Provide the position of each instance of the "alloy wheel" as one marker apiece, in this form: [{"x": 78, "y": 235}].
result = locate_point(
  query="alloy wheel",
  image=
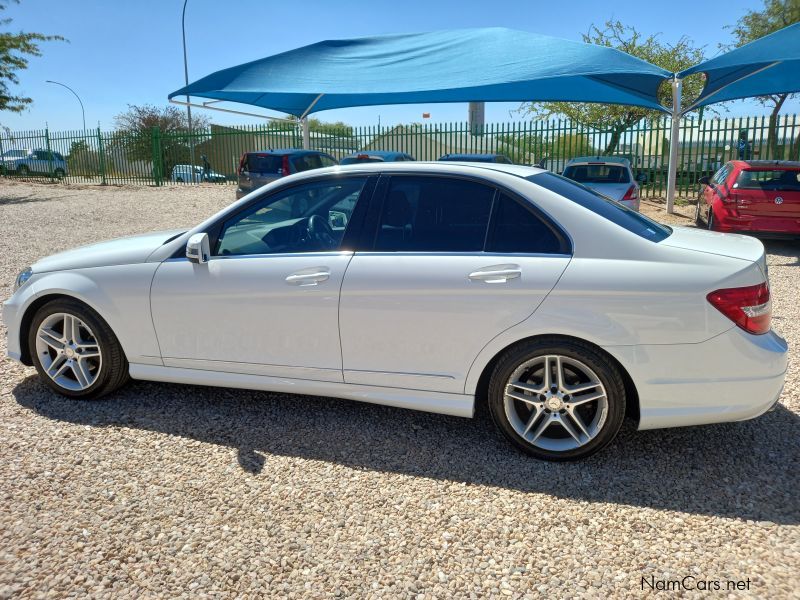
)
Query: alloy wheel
[
  {"x": 68, "y": 351},
  {"x": 555, "y": 403}
]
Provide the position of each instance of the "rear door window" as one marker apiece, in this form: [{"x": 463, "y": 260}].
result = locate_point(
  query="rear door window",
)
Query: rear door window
[
  {"x": 769, "y": 180},
  {"x": 517, "y": 230},
  {"x": 434, "y": 214},
  {"x": 264, "y": 163}
]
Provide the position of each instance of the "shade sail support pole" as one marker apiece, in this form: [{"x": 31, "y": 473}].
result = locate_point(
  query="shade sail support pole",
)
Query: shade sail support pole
[
  {"x": 306, "y": 133},
  {"x": 304, "y": 123},
  {"x": 672, "y": 168}
]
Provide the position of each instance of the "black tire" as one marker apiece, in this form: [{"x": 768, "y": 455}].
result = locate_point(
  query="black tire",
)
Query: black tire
[
  {"x": 710, "y": 218},
  {"x": 602, "y": 366},
  {"x": 60, "y": 174},
  {"x": 698, "y": 219},
  {"x": 23, "y": 171},
  {"x": 113, "y": 372}
]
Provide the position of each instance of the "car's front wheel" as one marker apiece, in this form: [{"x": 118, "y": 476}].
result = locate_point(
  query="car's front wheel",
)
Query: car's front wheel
[
  {"x": 557, "y": 399},
  {"x": 74, "y": 350}
]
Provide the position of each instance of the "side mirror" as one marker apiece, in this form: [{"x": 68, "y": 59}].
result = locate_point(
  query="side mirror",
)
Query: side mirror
[
  {"x": 641, "y": 177},
  {"x": 198, "y": 249},
  {"x": 704, "y": 180}
]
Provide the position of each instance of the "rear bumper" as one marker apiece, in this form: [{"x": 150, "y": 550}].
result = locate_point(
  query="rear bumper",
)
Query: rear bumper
[
  {"x": 729, "y": 220},
  {"x": 732, "y": 377}
]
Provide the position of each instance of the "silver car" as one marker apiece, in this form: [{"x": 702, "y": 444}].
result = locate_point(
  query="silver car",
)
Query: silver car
[
  {"x": 264, "y": 166},
  {"x": 608, "y": 175},
  {"x": 34, "y": 162}
]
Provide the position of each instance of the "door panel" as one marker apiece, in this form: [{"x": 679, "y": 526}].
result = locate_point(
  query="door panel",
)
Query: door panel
[
  {"x": 270, "y": 314},
  {"x": 419, "y": 320}
]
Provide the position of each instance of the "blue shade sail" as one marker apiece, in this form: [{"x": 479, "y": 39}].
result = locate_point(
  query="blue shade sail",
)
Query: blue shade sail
[
  {"x": 488, "y": 64},
  {"x": 769, "y": 65}
]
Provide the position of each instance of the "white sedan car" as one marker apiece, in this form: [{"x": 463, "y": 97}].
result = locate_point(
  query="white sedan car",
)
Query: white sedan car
[{"x": 432, "y": 286}]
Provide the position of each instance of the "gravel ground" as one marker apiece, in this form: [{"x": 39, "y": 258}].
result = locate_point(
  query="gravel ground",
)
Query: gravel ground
[{"x": 179, "y": 491}]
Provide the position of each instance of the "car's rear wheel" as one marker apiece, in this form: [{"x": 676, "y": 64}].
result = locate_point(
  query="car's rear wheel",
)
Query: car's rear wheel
[
  {"x": 23, "y": 171},
  {"x": 710, "y": 218},
  {"x": 60, "y": 174},
  {"x": 74, "y": 350},
  {"x": 557, "y": 399}
]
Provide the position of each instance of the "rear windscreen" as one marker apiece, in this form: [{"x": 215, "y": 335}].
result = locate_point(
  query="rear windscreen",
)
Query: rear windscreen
[
  {"x": 615, "y": 212},
  {"x": 769, "y": 180},
  {"x": 597, "y": 173},
  {"x": 264, "y": 163},
  {"x": 349, "y": 160}
]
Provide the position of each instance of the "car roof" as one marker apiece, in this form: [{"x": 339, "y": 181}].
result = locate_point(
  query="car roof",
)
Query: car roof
[
  {"x": 432, "y": 167},
  {"x": 773, "y": 164},
  {"x": 621, "y": 160},
  {"x": 283, "y": 151}
]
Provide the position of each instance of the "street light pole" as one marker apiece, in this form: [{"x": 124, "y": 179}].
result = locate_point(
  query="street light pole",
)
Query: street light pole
[
  {"x": 186, "y": 80},
  {"x": 83, "y": 114}
]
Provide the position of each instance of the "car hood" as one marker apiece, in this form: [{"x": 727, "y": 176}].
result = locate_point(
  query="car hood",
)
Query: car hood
[
  {"x": 122, "y": 251},
  {"x": 615, "y": 191},
  {"x": 724, "y": 244}
]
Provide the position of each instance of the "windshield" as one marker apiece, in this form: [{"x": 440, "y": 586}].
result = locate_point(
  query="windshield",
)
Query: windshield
[
  {"x": 598, "y": 173},
  {"x": 769, "y": 180},
  {"x": 608, "y": 209}
]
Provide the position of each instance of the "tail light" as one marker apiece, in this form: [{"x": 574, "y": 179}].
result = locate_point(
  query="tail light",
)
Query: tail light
[
  {"x": 241, "y": 164},
  {"x": 285, "y": 164},
  {"x": 632, "y": 193},
  {"x": 749, "y": 307}
]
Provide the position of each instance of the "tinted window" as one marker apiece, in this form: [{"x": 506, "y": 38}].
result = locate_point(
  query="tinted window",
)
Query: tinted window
[
  {"x": 264, "y": 163},
  {"x": 772, "y": 180},
  {"x": 597, "y": 173},
  {"x": 360, "y": 159},
  {"x": 516, "y": 229},
  {"x": 434, "y": 214},
  {"x": 608, "y": 209},
  {"x": 305, "y": 218},
  {"x": 306, "y": 162}
]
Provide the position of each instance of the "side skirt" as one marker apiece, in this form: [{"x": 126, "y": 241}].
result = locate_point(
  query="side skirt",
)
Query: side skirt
[{"x": 457, "y": 405}]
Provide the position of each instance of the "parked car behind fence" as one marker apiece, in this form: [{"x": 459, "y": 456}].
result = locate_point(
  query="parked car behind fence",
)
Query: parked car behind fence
[
  {"x": 34, "y": 162},
  {"x": 264, "y": 166}
]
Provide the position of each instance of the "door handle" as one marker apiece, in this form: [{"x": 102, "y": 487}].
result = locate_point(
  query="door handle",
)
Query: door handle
[
  {"x": 496, "y": 273},
  {"x": 306, "y": 277}
]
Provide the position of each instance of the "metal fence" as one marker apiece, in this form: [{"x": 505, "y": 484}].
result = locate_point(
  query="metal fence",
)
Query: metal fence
[{"x": 156, "y": 157}]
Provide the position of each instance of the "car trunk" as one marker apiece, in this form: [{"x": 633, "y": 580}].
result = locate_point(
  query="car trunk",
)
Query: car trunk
[
  {"x": 724, "y": 244},
  {"x": 768, "y": 193}
]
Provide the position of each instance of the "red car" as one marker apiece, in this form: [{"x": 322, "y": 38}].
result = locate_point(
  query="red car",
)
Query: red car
[{"x": 756, "y": 196}]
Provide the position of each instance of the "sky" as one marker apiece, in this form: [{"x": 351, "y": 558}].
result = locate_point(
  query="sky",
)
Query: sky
[{"x": 122, "y": 52}]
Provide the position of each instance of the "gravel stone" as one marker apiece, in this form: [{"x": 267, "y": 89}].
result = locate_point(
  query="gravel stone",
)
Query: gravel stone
[{"x": 180, "y": 491}]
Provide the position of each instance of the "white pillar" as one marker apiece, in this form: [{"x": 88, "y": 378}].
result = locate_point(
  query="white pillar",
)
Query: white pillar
[
  {"x": 306, "y": 133},
  {"x": 674, "y": 143}
]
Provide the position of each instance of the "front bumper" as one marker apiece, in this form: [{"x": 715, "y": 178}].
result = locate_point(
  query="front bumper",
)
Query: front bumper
[{"x": 732, "y": 377}]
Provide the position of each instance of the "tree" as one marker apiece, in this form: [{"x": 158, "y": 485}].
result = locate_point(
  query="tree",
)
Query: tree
[
  {"x": 755, "y": 24},
  {"x": 616, "y": 118},
  {"x": 134, "y": 132},
  {"x": 83, "y": 160},
  {"x": 15, "y": 48}
]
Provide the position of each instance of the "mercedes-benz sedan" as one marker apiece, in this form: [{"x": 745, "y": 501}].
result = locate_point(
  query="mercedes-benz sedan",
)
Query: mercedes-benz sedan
[{"x": 433, "y": 286}]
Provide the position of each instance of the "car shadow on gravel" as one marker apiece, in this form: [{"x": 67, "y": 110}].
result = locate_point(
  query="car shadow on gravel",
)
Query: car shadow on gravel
[{"x": 746, "y": 470}]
